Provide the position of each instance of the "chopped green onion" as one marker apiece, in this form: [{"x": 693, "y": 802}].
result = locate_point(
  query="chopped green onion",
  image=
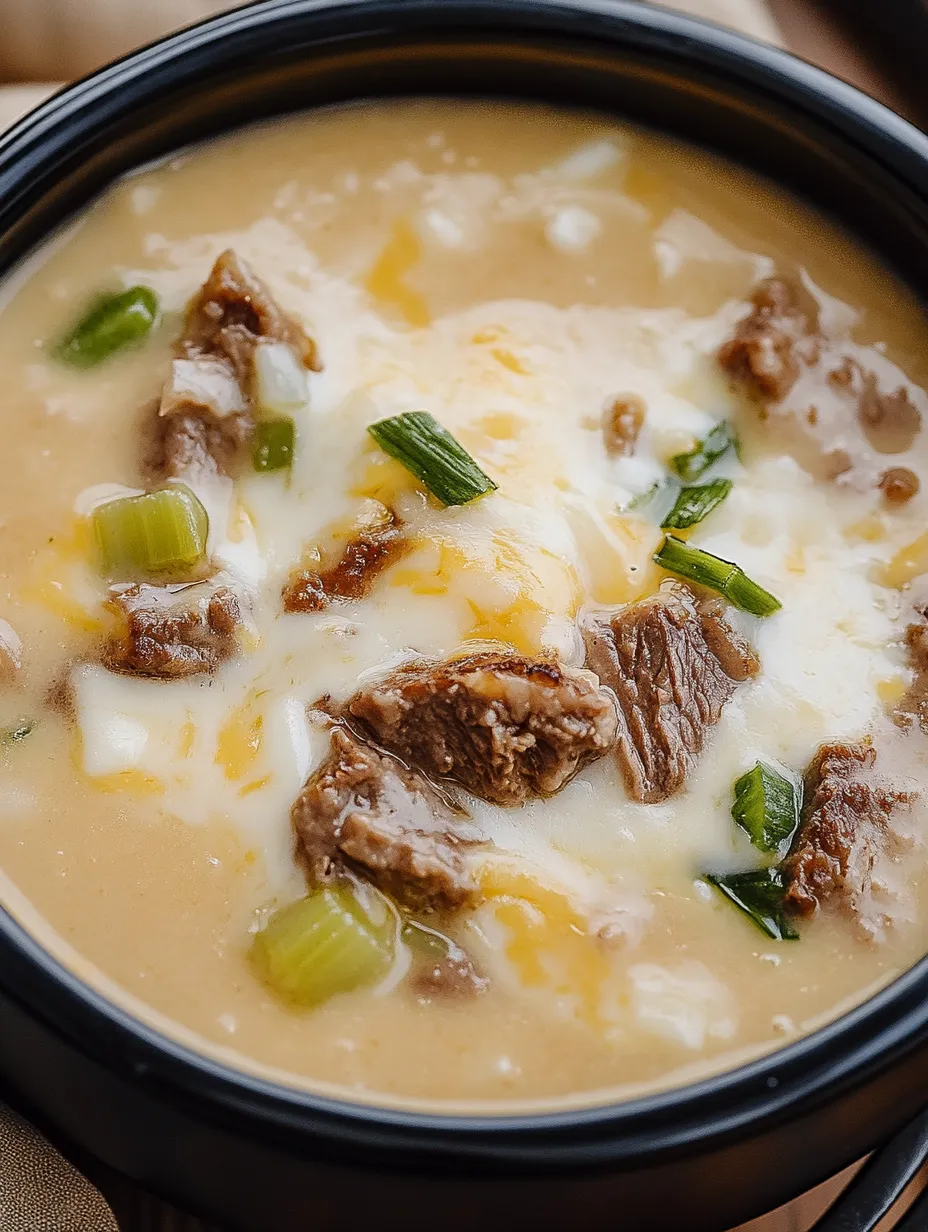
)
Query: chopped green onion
[
  {"x": 720, "y": 575},
  {"x": 697, "y": 461},
  {"x": 643, "y": 498},
  {"x": 110, "y": 323},
  {"x": 766, "y": 807},
  {"x": 324, "y": 944},
  {"x": 17, "y": 733},
  {"x": 280, "y": 379},
  {"x": 419, "y": 442},
  {"x": 760, "y": 896},
  {"x": 655, "y": 498},
  {"x": 272, "y": 445},
  {"x": 694, "y": 504},
  {"x": 160, "y": 532}
]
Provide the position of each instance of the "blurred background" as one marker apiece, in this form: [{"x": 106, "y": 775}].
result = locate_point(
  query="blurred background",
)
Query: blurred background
[{"x": 879, "y": 45}]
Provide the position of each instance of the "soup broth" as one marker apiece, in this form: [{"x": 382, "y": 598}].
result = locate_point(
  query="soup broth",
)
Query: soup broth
[{"x": 548, "y": 909}]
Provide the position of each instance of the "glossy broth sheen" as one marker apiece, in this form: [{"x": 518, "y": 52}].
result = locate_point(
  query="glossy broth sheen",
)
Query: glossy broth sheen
[{"x": 508, "y": 269}]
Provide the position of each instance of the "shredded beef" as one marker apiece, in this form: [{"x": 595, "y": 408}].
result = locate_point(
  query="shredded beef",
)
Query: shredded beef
[
  {"x": 365, "y": 808},
  {"x": 233, "y": 312},
  {"x": 844, "y": 827},
  {"x": 914, "y": 705},
  {"x": 889, "y": 420},
  {"x": 827, "y": 408},
  {"x": 504, "y": 726},
  {"x": 174, "y": 631},
  {"x": 623, "y": 419},
  {"x": 673, "y": 662},
  {"x": 770, "y": 344},
  {"x": 364, "y": 558},
  {"x": 10, "y": 653}
]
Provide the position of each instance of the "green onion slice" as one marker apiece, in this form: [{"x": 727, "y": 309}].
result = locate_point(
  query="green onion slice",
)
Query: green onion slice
[
  {"x": 766, "y": 807},
  {"x": 160, "y": 532},
  {"x": 697, "y": 461},
  {"x": 760, "y": 895},
  {"x": 694, "y": 504},
  {"x": 324, "y": 944},
  {"x": 17, "y": 733},
  {"x": 419, "y": 442},
  {"x": 723, "y": 576},
  {"x": 273, "y": 444},
  {"x": 111, "y": 323}
]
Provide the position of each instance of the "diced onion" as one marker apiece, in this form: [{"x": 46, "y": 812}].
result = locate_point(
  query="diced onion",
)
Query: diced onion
[
  {"x": 281, "y": 384},
  {"x": 205, "y": 382}
]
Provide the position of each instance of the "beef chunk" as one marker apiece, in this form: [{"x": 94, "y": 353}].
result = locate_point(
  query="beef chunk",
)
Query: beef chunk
[
  {"x": 771, "y": 342},
  {"x": 890, "y": 420},
  {"x": 821, "y": 404},
  {"x": 233, "y": 312},
  {"x": 914, "y": 705},
  {"x": 505, "y": 727},
  {"x": 844, "y": 827},
  {"x": 191, "y": 443},
  {"x": 623, "y": 419},
  {"x": 899, "y": 485},
  {"x": 10, "y": 653},
  {"x": 673, "y": 662},
  {"x": 365, "y": 808},
  {"x": 173, "y": 632},
  {"x": 364, "y": 558}
]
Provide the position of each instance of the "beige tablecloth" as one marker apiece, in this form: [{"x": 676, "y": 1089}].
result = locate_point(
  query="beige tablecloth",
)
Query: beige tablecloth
[{"x": 57, "y": 39}]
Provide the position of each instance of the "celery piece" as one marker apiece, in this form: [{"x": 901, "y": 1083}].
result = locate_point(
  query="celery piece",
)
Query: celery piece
[
  {"x": 161, "y": 532},
  {"x": 323, "y": 944},
  {"x": 111, "y": 323}
]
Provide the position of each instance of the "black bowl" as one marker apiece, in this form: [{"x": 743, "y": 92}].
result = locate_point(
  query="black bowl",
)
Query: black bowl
[{"x": 255, "y": 1156}]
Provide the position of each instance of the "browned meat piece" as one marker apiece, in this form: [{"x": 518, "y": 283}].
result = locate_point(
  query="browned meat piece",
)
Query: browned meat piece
[
  {"x": 10, "y": 653},
  {"x": 193, "y": 443},
  {"x": 366, "y": 808},
  {"x": 505, "y": 727},
  {"x": 821, "y": 404},
  {"x": 623, "y": 419},
  {"x": 771, "y": 342},
  {"x": 673, "y": 662},
  {"x": 845, "y": 820},
  {"x": 914, "y": 705},
  {"x": 173, "y": 632},
  {"x": 899, "y": 485},
  {"x": 233, "y": 312},
  {"x": 890, "y": 421},
  {"x": 360, "y": 564}
]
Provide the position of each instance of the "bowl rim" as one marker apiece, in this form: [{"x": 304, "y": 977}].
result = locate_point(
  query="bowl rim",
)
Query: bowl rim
[{"x": 837, "y": 1057}]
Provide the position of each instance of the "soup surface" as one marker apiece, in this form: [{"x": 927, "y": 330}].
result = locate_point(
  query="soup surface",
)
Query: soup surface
[{"x": 484, "y": 740}]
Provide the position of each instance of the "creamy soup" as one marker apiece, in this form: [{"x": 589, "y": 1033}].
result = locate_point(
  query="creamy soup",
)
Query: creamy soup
[{"x": 462, "y": 630}]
